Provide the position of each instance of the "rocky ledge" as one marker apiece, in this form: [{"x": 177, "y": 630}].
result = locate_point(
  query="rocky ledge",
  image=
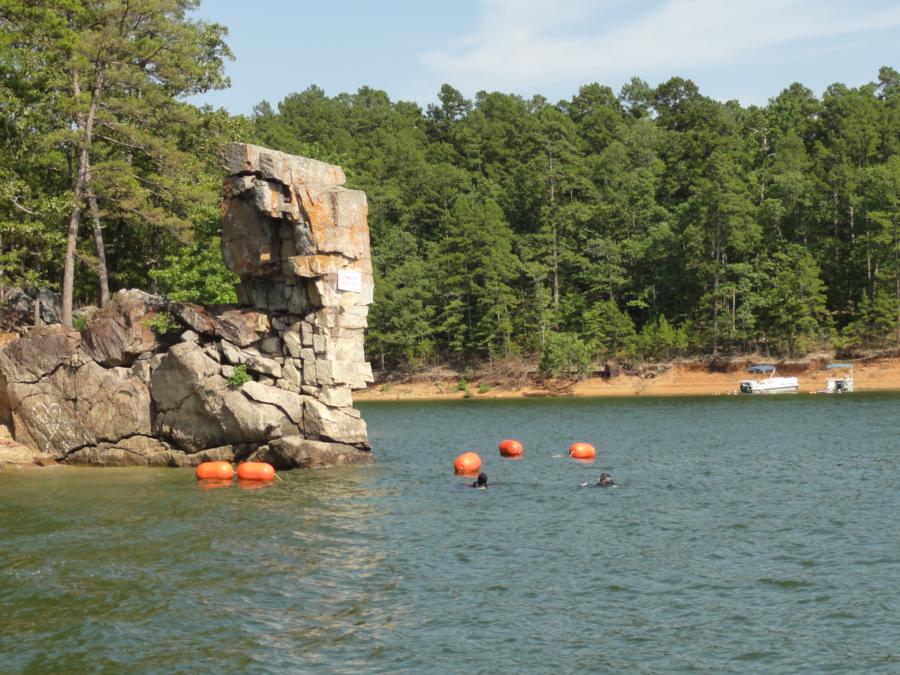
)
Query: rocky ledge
[{"x": 156, "y": 383}]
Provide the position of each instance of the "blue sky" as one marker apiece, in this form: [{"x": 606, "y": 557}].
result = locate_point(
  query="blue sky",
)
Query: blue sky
[{"x": 731, "y": 48}]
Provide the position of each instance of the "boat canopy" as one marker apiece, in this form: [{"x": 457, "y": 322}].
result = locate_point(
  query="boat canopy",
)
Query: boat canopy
[
  {"x": 761, "y": 368},
  {"x": 833, "y": 366}
]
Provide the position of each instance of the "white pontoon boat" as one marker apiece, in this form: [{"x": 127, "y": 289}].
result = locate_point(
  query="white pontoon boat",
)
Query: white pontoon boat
[
  {"x": 771, "y": 384},
  {"x": 838, "y": 380}
]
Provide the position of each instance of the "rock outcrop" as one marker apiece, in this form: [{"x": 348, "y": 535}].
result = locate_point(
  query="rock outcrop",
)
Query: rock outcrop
[
  {"x": 17, "y": 307},
  {"x": 153, "y": 382},
  {"x": 14, "y": 455}
]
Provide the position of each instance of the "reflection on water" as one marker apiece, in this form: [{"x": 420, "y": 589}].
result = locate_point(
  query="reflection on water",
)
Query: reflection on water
[
  {"x": 213, "y": 484},
  {"x": 742, "y": 535},
  {"x": 253, "y": 484}
]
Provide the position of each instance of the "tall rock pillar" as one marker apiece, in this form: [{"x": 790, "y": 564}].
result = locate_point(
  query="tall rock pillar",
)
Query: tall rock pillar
[{"x": 299, "y": 242}]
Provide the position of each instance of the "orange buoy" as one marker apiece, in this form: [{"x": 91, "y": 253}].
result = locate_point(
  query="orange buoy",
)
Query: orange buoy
[
  {"x": 255, "y": 471},
  {"x": 467, "y": 464},
  {"x": 510, "y": 448},
  {"x": 582, "y": 451},
  {"x": 215, "y": 471}
]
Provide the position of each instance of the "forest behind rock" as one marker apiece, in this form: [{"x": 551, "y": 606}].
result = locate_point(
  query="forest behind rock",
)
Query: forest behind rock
[{"x": 647, "y": 223}]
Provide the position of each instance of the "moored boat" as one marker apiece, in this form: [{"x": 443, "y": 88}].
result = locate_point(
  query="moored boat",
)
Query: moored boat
[
  {"x": 770, "y": 384},
  {"x": 838, "y": 380}
]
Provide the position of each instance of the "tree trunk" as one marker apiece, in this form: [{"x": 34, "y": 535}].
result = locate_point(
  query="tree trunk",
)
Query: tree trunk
[
  {"x": 609, "y": 275},
  {"x": 897, "y": 278},
  {"x": 71, "y": 243},
  {"x": 834, "y": 217},
  {"x": 78, "y": 195},
  {"x": 717, "y": 259},
  {"x": 554, "y": 229},
  {"x": 102, "y": 274},
  {"x": 543, "y": 322},
  {"x": 555, "y": 268},
  {"x": 715, "y": 326},
  {"x": 733, "y": 313}
]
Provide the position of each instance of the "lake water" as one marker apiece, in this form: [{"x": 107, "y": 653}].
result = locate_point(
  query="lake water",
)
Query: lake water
[{"x": 745, "y": 535}]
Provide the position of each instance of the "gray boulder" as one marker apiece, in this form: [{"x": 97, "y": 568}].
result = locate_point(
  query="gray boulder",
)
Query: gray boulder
[
  {"x": 242, "y": 327},
  {"x": 13, "y": 454},
  {"x": 58, "y": 400},
  {"x": 333, "y": 424},
  {"x": 242, "y": 159},
  {"x": 19, "y": 306},
  {"x": 295, "y": 452},
  {"x": 198, "y": 410},
  {"x": 121, "y": 331}
]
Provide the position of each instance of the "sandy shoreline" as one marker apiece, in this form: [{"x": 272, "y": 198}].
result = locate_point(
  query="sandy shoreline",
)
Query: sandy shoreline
[{"x": 679, "y": 380}]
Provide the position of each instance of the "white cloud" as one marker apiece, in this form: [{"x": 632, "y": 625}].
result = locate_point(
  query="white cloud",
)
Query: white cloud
[{"x": 528, "y": 44}]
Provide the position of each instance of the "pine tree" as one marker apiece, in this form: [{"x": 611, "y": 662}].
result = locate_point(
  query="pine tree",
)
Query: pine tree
[{"x": 123, "y": 63}]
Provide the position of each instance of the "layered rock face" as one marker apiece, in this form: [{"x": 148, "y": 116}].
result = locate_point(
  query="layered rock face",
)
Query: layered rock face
[{"x": 151, "y": 382}]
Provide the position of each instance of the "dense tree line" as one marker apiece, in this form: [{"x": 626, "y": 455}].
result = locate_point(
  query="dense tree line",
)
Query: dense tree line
[{"x": 648, "y": 223}]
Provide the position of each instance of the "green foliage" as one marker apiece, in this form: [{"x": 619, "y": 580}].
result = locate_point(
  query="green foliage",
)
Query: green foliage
[
  {"x": 197, "y": 274},
  {"x": 608, "y": 329},
  {"x": 484, "y": 388},
  {"x": 402, "y": 317},
  {"x": 162, "y": 323},
  {"x": 92, "y": 89},
  {"x": 464, "y": 387},
  {"x": 477, "y": 264},
  {"x": 652, "y": 223},
  {"x": 565, "y": 354},
  {"x": 659, "y": 340},
  {"x": 793, "y": 306},
  {"x": 875, "y": 323},
  {"x": 79, "y": 322},
  {"x": 238, "y": 377}
]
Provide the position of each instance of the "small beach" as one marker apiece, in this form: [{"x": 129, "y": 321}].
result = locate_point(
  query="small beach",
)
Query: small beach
[{"x": 681, "y": 379}]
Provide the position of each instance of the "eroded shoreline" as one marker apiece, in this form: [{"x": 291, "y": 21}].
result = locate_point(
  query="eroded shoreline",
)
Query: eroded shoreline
[{"x": 681, "y": 379}]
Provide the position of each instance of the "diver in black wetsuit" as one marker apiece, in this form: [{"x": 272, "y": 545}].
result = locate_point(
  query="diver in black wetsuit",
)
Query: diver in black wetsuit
[
  {"x": 605, "y": 480},
  {"x": 481, "y": 482}
]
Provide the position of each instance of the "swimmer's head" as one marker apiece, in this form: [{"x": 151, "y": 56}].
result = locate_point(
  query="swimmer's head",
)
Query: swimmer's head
[{"x": 482, "y": 480}]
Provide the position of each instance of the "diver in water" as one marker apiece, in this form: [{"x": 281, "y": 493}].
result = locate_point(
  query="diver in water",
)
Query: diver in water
[
  {"x": 605, "y": 480},
  {"x": 481, "y": 482}
]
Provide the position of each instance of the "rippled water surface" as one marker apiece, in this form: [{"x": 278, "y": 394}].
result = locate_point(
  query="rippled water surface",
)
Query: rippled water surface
[{"x": 745, "y": 535}]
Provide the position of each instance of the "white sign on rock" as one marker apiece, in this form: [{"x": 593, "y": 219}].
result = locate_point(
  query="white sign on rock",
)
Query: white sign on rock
[{"x": 349, "y": 280}]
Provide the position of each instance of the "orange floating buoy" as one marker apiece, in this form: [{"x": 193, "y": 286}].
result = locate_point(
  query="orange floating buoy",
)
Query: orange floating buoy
[
  {"x": 467, "y": 464},
  {"x": 215, "y": 471},
  {"x": 255, "y": 471},
  {"x": 510, "y": 448},
  {"x": 582, "y": 451}
]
